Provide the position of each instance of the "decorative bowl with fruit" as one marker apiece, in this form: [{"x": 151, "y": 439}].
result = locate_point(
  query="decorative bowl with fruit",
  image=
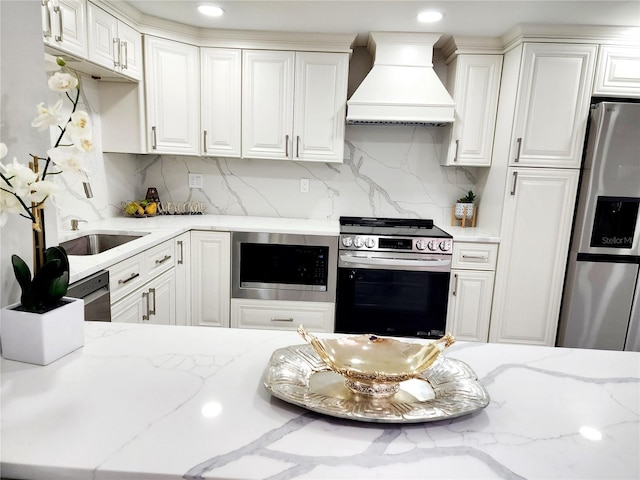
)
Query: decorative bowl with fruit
[{"x": 140, "y": 208}]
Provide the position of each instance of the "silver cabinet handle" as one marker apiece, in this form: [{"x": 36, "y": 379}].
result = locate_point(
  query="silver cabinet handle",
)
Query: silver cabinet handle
[
  {"x": 162, "y": 260},
  {"x": 205, "y": 141},
  {"x": 455, "y": 157},
  {"x": 297, "y": 146},
  {"x": 181, "y": 260},
  {"x": 117, "y": 55},
  {"x": 478, "y": 257},
  {"x": 145, "y": 316},
  {"x": 124, "y": 59},
  {"x": 154, "y": 138},
  {"x": 46, "y": 27},
  {"x": 515, "y": 181},
  {"x": 58, "y": 10},
  {"x": 127, "y": 280},
  {"x": 455, "y": 284},
  {"x": 519, "y": 146},
  {"x": 286, "y": 145},
  {"x": 287, "y": 319},
  {"x": 152, "y": 291}
]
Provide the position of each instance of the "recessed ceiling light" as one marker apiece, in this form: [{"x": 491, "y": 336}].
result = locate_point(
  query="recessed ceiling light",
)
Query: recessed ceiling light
[
  {"x": 430, "y": 17},
  {"x": 210, "y": 10}
]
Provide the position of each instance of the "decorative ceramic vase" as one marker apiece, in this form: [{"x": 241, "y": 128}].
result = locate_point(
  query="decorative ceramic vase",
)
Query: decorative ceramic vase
[
  {"x": 41, "y": 338},
  {"x": 460, "y": 210}
]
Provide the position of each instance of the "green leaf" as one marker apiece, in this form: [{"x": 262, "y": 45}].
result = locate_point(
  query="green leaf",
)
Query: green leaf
[{"x": 23, "y": 276}]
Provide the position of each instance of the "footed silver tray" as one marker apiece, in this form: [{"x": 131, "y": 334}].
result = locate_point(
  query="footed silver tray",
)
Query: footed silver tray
[{"x": 448, "y": 389}]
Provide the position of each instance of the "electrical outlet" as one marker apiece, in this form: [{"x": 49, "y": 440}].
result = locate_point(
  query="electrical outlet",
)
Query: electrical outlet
[
  {"x": 196, "y": 180},
  {"x": 304, "y": 185}
]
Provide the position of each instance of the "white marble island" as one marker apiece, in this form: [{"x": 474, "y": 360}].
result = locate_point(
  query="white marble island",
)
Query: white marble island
[{"x": 160, "y": 402}]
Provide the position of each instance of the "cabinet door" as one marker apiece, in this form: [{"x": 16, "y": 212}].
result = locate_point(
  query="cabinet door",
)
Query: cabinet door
[
  {"x": 210, "y": 278},
  {"x": 469, "y": 308},
  {"x": 475, "y": 86},
  {"x": 65, "y": 25},
  {"x": 536, "y": 227},
  {"x": 267, "y": 104},
  {"x": 183, "y": 278},
  {"x": 130, "y": 51},
  {"x": 131, "y": 309},
  {"x": 618, "y": 72},
  {"x": 553, "y": 105},
  {"x": 221, "y": 101},
  {"x": 104, "y": 47},
  {"x": 173, "y": 96},
  {"x": 319, "y": 106},
  {"x": 162, "y": 299}
]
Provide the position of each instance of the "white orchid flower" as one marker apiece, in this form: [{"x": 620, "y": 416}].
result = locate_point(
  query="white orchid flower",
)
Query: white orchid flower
[
  {"x": 62, "y": 82},
  {"x": 20, "y": 176},
  {"x": 8, "y": 204},
  {"x": 48, "y": 116},
  {"x": 3, "y": 150},
  {"x": 42, "y": 189},
  {"x": 68, "y": 159}
]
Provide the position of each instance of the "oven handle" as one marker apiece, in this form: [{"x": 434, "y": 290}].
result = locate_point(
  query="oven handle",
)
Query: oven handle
[{"x": 425, "y": 264}]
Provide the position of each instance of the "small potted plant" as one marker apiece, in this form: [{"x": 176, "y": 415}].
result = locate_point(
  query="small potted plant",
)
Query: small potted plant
[{"x": 465, "y": 208}]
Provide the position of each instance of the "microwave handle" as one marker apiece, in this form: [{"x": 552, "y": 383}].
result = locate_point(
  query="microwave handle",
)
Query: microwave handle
[{"x": 394, "y": 262}]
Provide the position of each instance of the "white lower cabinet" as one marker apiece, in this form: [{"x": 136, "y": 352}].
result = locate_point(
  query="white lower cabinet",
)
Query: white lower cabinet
[
  {"x": 536, "y": 226},
  {"x": 282, "y": 315},
  {"x": 471, "y": 291},
  {"x": 153, "y": 303},
  {"x": 143, "y": 287},
  {"x": 210, "y": 278}
]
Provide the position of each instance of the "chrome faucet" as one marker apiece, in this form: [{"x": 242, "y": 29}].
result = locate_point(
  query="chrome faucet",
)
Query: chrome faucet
[{"x": 74, "y": 223}]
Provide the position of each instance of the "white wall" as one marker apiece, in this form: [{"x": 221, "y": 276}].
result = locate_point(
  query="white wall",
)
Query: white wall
[{"x": 22, "y": 87}]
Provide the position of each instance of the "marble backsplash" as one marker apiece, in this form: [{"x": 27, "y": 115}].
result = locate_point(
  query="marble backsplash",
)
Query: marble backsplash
[{"x": 389, "y": 171}]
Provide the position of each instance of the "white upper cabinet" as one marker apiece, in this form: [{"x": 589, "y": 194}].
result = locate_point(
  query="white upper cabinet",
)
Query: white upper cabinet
[
  {"x": 553, "y": 104},
  {"x": 618, "y": 72},
  {"x": 172, "y": 83},
  {"x": 64, "y": 25},
  {"x": 221, "y": 99},
  {"x": 114, "y": 44},
  {"x": 474, "y": 82},
  {"x": 293, "y": 105}
]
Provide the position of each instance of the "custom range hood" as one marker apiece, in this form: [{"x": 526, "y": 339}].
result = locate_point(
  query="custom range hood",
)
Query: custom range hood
[{"x": 402, "y": 88}]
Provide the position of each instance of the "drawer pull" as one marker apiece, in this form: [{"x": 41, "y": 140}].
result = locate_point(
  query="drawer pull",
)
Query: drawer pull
[
  {"x": 476, "y": 257},
  {"x": 126, "y": 280},
  {"x": 276, "y": 319},
  {"x": 162, "y": 260},
  {"x": 519, "y": 146},
  {"x": 145, "y": 316},
  {"x": 455, "y": 284},
  {"x": 152, "y": 291}
]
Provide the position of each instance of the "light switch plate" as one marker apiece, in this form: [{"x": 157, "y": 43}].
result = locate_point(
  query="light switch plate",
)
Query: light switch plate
[
  {"x": 304, "y": 185},
  {"x": 196, "y": 180}
]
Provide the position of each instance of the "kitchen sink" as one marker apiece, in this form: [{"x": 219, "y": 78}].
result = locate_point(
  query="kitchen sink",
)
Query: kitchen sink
[{"x": 94, "y": 243}]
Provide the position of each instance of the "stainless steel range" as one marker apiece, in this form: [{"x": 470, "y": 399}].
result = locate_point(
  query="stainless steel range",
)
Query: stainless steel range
[{"x": 393, "y": 277}]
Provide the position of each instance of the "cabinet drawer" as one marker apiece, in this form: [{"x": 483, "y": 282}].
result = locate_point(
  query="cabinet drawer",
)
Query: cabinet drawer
[
  {"x": 282, "y": 315},
  {"x": 126, "y": 276},
  {"x": 160, "y": 259},
  {"x": 475, "y": 256}
]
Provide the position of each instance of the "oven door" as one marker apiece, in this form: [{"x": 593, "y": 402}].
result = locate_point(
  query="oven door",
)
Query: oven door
[{"x": 392, "y": 294}]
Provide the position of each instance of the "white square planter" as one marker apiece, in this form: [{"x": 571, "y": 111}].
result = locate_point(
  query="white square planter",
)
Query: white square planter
[{"x": 41, "y": 338}]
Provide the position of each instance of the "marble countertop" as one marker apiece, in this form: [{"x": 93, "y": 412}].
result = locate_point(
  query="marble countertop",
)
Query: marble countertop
[
  {"x": 161, "y": 228},
  {"x": 164, "y": 402}
]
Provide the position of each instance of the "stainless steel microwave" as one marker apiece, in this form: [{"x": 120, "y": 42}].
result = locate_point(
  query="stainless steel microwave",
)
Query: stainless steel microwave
[{"x": 274, "y": 266}]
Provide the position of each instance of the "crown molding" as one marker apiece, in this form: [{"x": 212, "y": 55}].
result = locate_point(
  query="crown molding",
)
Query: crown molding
[{"x": 471, "y": 45}]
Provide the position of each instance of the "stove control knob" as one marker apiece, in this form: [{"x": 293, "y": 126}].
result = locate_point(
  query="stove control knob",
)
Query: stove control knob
[
  {"x": 433, "y": 245},
  {"x": 421, "y": 244},
  {"x": 347, "y": 241},
  {"x": 445, "y": 246},
  {"x": 358, "y": 242},
  {"x": 370, "y": 242}
]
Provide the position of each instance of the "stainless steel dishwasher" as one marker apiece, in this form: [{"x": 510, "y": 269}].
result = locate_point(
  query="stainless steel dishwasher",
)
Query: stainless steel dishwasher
[{"x": 94, "y": 290}]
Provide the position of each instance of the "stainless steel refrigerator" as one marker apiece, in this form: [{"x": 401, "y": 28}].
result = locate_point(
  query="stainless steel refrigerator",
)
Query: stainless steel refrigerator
[{"x": 600, "y": 299}]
